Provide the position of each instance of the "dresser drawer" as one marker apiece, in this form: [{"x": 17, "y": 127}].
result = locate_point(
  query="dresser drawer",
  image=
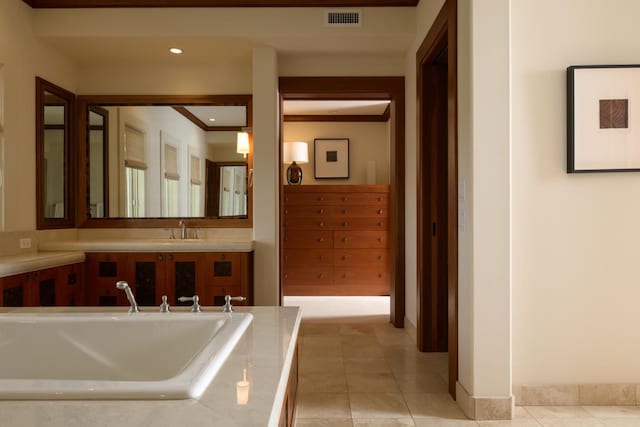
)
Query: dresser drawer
[
  {"x": 360, "y": 211},
  {"x": 308, "y": 239},
  {"x": 358, "y": 199},
  {"x": 307, "y": 276},
  {"x": 358, "y": 224},
  {"x": 306, "y": 211},
  {"x": 357, "y": 258},
  {"x": 306, "y": 223},
  {"x": 360, "y": 239},
  {"x": 307, "y": 257},
  {"x": 360, "y": 276},
  {"x": 314, "y": 199}
]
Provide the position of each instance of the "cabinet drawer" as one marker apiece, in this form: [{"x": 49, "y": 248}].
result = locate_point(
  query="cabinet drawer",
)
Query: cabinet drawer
[
  {"x": 358, "y": 258},
  {"x": 360, "y": 276},
  {"x": 358, "y": 223},
  {"x": 359, "y": 211},
  {"x": 306, "y": 223},
  {"x": 308, "y": 257},
  {"x": 358, "y": 199},
  {"x": 307, "y": 276},
  {"x": 306, "y": 211},
  {"x": 315, "y": 199},
  {"x": 360, "y": 239},
  {"x": 308, "y": 239}
]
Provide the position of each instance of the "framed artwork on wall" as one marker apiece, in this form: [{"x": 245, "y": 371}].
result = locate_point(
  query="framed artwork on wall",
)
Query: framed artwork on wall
[
  {"x": 603, "y": 118},
  {"x": 331, "y": 160}
]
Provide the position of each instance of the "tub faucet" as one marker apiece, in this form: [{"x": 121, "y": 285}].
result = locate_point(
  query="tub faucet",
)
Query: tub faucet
[
  {"x": 228, "y": 308},
  {"x": 183, "y": 230},
  {"x": 195, "y": 308},
  {"x": 124, "y": 286}
]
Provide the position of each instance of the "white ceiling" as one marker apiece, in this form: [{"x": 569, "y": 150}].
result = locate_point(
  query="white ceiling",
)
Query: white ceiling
[
  {"x": 330, "y": 108},
  {"x": 224, "y": 115}
]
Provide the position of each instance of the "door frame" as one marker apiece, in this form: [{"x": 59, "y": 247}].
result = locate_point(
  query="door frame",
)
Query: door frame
[
  {"x": 443, "y": 33},
  {"x": 349, "y": 88}
]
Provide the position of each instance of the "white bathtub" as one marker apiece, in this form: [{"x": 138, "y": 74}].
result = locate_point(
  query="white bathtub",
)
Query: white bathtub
[{"x": 114, "y": 356}]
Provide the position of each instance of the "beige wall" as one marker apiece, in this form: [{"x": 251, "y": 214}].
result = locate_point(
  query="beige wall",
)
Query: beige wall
[
  {"x": 575, "y": 237},
  {"x": 23, "y": 57},
  {"x": 367, "y": 142}
]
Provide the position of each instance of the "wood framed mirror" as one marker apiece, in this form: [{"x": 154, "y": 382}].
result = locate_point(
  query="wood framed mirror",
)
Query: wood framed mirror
[
  {"x": 142, "y": 159},
  {"x": 55, "y": 112}
]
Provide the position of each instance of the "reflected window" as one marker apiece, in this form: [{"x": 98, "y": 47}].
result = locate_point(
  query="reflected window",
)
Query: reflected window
[
  {"x": 1, "y": 148},
  {"x": 196, "y": 187},
  {"x": 171, "y": 198},
  {"x": 135, "y": 194}
]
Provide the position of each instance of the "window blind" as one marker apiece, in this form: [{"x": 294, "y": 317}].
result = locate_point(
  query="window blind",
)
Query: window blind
[
  {"x": 171, "y": 162},
  {"x": 195, "y": 170},
  {"x": 134, "y": 150}
]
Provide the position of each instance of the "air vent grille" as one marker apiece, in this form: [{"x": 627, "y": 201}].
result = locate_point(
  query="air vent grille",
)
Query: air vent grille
[{"x": 343, "y": 18}]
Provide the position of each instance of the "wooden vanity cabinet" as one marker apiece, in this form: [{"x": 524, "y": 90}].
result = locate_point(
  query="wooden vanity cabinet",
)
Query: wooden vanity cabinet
[
  {"x": 57, "y": 286},
  {"x": 175, "y": 274},
  {"x": 288, "y": 414}
]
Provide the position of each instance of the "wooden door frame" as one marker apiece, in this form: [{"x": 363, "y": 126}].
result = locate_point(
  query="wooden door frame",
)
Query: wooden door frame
[
  {"x": 349, "y": 88},
  {"x": 443, "y": 32}
]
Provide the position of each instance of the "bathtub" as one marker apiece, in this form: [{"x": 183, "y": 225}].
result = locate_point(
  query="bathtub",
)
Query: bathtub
[{"x": 114, "y": 356}]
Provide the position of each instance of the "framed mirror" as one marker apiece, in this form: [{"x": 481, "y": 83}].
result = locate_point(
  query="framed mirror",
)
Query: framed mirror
[
  {"x": 55, "y": 108},
  {"x": 143, "y": 159},
  {"x": 229, "y": 184}
]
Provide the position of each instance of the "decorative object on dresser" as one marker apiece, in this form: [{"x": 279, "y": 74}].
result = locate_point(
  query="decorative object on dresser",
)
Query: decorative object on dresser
[
  {"x": 331, "y": 158},
  {"x": 295, "y": 152},
  {"x": 336, "y": 240}
]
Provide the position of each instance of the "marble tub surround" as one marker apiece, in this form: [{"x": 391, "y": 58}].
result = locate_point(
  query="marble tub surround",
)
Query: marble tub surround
[
  {"x": 578, "y": 394},
  {"x": 33, "y": 261},
  {"x": 265, "y": 350}
]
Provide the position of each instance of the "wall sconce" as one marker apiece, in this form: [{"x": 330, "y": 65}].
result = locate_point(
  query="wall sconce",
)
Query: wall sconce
[
  {"x": 295, "y": 152},
  {"x": 242, "y": 146}
]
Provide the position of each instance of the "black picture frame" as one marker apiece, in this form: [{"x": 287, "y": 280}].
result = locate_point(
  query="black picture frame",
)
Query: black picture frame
[{"x": 331, "y": 158}]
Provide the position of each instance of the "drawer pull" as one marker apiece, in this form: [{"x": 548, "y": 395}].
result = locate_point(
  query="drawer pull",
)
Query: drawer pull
[
  {"x": 379, "y": 224},
  {"x": 159, "y": 257},
  {"x": 379, "y": 257},
  {"x": 321, "y": 198},
  {"x": 321, "y": 239},
  {"x": 321, "y": 211},
  {"x": 380, "y": 211},
  {"x": 344, "y": 257},
  {"x": 344, "y": 239},
  {"x": 379, "y": 198},
  {"x": 321, "y": 224},
  {"x": 344, "y": 211},
  {"x": 286, "y": 211},
  {"x": 286, "y": 257},
  {"x": 321, "y": 257},
  {"x": 320, "y": 276},
  {"x": 170, "y": 257},
  {"x": 379, "y": 275},
  {"x": 379, "y": 239},
  {"x": 286, "y": 239},
  {"x": 344, "y": 224},
  {"x": 286, "y": 276},
  {"x": 344, "y": 199}
]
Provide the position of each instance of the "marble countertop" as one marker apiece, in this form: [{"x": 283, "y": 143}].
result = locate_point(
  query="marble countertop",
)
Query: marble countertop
[
  {"x": 149, "y": 245},
  {"x": 17, "y": 264},
  {"x": 265, "y": 351}
]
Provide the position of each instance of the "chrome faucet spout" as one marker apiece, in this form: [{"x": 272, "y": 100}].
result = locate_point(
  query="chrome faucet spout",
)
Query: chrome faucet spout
[
  {"x": 124, "y": 286},
  {"x": 183, "y": 229}
]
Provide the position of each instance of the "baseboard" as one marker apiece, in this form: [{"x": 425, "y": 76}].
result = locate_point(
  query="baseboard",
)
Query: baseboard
[
  {"x": 411, "y": 330},
  {"x": 577, "y": 395},
  {"x": 484, "y": 408}
]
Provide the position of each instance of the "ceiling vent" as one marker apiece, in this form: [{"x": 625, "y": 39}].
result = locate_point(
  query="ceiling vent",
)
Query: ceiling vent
[{"x": 342, "y": 18}]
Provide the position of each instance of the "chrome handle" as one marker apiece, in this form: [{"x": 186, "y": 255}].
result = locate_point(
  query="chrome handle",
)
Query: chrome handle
[
  {"x": 228, "y": 308},
  {"x": 164, "y": 307},
  {"x": 195, "y": 308}
]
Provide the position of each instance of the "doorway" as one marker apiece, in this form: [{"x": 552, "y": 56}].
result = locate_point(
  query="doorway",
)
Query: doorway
[
  {"x": 437, "y": 249},
  {"x": 365, "y": 88}
]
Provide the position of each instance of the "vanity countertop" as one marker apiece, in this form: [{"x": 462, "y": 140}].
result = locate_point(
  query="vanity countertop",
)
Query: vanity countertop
[
  {"x": 149, "y": 245},
  {"x": 18, "y": 264},
  {"x": 265, "y": 350}
]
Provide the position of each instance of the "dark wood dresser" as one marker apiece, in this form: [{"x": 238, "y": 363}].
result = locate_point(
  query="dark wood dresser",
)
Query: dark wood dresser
[{"x": 336, "y": 240}]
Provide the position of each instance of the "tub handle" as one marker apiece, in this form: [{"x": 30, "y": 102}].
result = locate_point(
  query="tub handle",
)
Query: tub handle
[
  {"x": 195, "y": 308},
  {"x": 228, "y": 308}
]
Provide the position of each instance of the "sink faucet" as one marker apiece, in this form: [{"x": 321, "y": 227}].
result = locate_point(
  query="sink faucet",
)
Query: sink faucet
[
  {"x": 195, "y": 308},
  {"x": 183, "y": 229},
  {"x": 124, "y": 286},
  {"x": 228, "y": 308}
]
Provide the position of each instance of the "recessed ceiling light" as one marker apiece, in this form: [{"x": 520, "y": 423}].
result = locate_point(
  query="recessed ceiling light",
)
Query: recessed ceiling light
[
  {"x": 212, "y": 119},
  {"x": 175, "y": 50}
]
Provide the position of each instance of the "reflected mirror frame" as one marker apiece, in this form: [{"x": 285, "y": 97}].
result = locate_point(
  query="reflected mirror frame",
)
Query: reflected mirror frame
[
  {"x": 82, "y": 107},
  {"x": 68, "y": 220}
]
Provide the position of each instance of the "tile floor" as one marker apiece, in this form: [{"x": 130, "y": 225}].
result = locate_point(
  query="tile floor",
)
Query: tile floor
[{"x": 359, "y": 371}]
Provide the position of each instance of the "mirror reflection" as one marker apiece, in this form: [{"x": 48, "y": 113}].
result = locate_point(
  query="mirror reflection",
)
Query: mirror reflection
[
  {"x": 54, "y": 137},
  {"x": 152, "y": 161}
]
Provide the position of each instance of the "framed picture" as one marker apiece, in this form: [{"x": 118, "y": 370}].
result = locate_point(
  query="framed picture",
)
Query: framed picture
[
  {"x": 331, "y": 158},
  {"x": 603, "y": 118}
]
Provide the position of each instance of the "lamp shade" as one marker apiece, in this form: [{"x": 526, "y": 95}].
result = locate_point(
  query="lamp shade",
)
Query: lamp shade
[
  {"x": 242, "y": 146},
  {"x": 295, "y": 152}
]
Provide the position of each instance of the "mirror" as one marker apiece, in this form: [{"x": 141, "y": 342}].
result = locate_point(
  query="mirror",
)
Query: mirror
[
  {"x": 146, "y": 160},
  {"x": 54, "y": 154}
]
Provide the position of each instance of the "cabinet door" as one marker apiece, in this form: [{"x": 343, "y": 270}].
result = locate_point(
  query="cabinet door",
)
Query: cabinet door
[
  {"x": 224, "y": 275},
  {"x": 69, "y": 285},
  {"x": 15, "y": 290},
  {"x": 43, "y": 287},
  {"x": 184, "y": 275},
  {"x": 148, "y": 277},
  {"x": 103, "y": 270}
]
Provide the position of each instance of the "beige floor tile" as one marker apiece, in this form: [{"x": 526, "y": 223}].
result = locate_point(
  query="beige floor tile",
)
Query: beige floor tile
[
  {"x": 317, "y": 328},
  {"x": 322, "y": 340},
  {"x": 320, "y": 365},
  {"x": 520, "y": 412},
  {"x": 322, "y": 382},
  {"x": 323, "y": 422},
  {"x": 620, "y": 422},
  {"x": 356, "y": 329},
  {"x": 571, "y": 422},
  {"x": 433, "y": 405},
  {"x": 439, "y": 422},
  {"x": 613, "y": 411},
  {"x": 323, "y": 405},
  {"x": 360, "y": 340},
  {"x": 351, "y": 350},
  {"x": 384, "y": 422},
  {"x": 421, "y": 382},
  {"x": 372, "y": 382},
  {"x": 540, "y": 412},
  {"x": 378, "y": 405},
  {"x": 366, "y": 366},
  {"x": 308, "y": 351}
]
